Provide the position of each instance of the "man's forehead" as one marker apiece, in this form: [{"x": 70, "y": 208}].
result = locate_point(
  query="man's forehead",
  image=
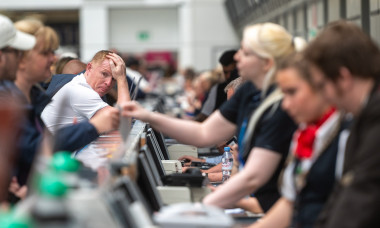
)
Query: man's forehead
[{"x": 104, "y": 65}]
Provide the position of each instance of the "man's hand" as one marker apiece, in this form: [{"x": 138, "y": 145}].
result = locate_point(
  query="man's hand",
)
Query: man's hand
[
  {"x": 106, "y": 119},
  {"x": 188, "y": 159},
  {"x": 235, "y": 153},
  {"x": 117, "y": 67},
  {"x": 16, "y": 189}
]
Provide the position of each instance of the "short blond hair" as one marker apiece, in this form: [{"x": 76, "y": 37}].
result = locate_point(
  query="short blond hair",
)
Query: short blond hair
[{"x": 100, "y": 56}]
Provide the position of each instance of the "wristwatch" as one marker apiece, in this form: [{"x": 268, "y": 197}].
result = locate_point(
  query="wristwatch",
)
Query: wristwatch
[{"x": 204, "y": 174}]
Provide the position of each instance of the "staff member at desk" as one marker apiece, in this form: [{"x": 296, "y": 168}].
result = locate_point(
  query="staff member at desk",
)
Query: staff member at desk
[
  {"x": 345, "y": 67},
  {"x": 312, "y": 166},
  {"x": 267, "y": 145}
]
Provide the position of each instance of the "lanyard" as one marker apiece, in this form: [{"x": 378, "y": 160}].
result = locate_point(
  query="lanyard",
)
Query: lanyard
[{"x": 240, "y": 141}]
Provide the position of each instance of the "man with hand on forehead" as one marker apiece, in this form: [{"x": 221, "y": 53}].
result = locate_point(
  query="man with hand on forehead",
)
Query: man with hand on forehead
[
  {"x": 12, "y": 43},
  {"x": 80, "y": 99}
]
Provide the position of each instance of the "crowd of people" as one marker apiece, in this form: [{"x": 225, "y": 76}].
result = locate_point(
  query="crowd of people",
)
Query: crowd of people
[{"x": 304, "y": 115}]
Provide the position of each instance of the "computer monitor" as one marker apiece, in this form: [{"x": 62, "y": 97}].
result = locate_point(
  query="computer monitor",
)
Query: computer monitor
[
  {"x": 130, "y": 190},
  {"x": 152, "y": 165},
  {"x": 118, "y": 205},
  {"x": 125, "y": 200},
  {"x": 147, "y": 185},
  {"x": 161, "y": 143},
  {"x": 155, "y": 154},
  {"x": 157, "y": 146}
]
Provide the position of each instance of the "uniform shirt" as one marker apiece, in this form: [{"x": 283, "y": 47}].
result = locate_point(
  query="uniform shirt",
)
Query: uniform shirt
[{"x": 273, "y": 131}]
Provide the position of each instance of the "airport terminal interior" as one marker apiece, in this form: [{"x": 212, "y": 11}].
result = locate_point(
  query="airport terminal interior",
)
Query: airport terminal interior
[{"x": 188, "y": 113}]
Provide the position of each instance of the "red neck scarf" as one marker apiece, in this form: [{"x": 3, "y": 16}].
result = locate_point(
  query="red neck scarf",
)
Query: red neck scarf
[{"x": 306, "y": 136}]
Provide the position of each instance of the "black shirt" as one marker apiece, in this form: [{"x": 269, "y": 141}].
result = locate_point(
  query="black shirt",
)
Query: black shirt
[{"x": 273, "y": 131}]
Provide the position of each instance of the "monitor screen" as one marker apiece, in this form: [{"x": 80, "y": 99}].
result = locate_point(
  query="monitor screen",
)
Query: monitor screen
[
  {"x": 147, "y": 185},
  {"x": 155, "y": 143}
]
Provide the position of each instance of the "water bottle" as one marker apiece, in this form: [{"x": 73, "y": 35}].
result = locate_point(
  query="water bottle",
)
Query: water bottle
[{"x": 227, "y": 163}]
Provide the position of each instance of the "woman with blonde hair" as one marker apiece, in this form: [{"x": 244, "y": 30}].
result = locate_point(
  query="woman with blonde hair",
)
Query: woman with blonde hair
[
  {"x": 253, "y": 113},
  {"x": 34, "y": 67}
]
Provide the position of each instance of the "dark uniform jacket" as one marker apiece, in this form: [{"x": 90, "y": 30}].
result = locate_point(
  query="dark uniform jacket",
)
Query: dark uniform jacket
[{"x": 355, "y": 201}]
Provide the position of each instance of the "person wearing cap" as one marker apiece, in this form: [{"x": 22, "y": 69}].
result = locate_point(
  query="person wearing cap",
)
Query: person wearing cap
[{"x": 12, "y": 42}]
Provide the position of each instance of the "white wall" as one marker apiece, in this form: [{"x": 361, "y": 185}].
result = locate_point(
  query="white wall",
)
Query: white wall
[
  {"x": 375, "y": 20},
  {"x": 161, "y": 25},
  {"x": 212, "y": 33},
  {"x": 39, "y": 4},
  {"x": 198, "y": 30},
  {"x": 93, "y": 30},
  {"x": 334, "y": 10},
  {"x": 353, "y": 8}
]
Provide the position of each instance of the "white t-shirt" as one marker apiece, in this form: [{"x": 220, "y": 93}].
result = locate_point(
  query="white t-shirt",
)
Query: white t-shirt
[{"x": 75, "y": 99}]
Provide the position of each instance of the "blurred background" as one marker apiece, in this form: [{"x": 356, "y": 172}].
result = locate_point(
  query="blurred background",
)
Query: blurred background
[{"x": 175, "y": 34}]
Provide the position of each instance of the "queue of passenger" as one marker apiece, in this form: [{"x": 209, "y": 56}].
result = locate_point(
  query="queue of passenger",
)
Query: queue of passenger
[{"x": 290, "y": 117}]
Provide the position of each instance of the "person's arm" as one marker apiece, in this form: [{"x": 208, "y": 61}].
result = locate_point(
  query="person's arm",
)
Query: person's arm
[
  {"x": 215, "y": 169},
  {"x": 260, "y": 166},
  {"x": 250, "y": 204},
  {"x": 214, "y": 160},
  {"x": 119, "y": 74},
  {"x": 215, "y": 177},
  {"x": 191, "y": 159},
  {"x": 278, "y": 216},
  {"x": 212, "y": 131},
  {"x": 75, "y": 136},
  {"x": 106, "y": 119}
]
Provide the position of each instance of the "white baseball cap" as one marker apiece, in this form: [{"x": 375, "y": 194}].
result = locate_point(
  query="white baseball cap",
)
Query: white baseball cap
[{"x": 10, "y": 36}]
